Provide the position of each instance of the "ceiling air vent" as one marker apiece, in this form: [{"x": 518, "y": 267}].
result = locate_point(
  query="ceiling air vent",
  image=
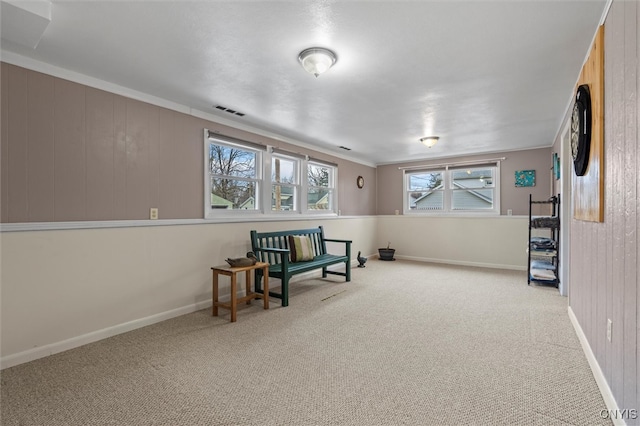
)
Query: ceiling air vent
[{"x": 230, "y": 111}]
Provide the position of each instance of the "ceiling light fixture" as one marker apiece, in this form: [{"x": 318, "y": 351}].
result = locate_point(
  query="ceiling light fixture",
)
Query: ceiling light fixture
[
  {"x": 317, "y": 60},
  {"x": 429, "y": 141}
]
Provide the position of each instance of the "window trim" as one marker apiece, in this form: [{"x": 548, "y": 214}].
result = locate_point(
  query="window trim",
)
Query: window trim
[
  {"x": 297, "y": 185},
  {"x": 448, "y": 190},
  {"x": 264, "y": 159},
  {"x": 211, "y": 213},
  {"x": 333, "y": 178}
]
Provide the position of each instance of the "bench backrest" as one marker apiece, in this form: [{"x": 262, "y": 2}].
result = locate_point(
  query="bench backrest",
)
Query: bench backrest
[{"x": 280, "y": 239}]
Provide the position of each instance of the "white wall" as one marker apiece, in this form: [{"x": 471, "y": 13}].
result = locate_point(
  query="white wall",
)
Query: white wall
[
  {"x": 493, "y": 242},
  {"x": 65, "y": 288}
]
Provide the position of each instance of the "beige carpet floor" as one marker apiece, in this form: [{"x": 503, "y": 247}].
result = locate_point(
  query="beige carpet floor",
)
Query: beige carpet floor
[{"x": 404, "y": 343}]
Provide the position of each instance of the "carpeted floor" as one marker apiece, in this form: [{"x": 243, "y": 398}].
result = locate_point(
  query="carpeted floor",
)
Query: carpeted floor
[{"x": 403, "y": 343}]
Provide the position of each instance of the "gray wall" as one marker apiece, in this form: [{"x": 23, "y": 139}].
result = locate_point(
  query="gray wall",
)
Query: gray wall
[
  {"x": 604, "y": 257},
  {"x": 72, "y": 152},
  {"x": 390, "y": 185}
]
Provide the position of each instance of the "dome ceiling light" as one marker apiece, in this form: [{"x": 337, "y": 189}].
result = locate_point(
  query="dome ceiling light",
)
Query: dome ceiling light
[
  {"x": 429, "y": 141},
  {"x": 317, "y": 60}
]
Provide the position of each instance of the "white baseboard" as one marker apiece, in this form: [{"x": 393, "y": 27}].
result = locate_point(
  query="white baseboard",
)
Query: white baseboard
[
  {"x": 605, "y": 390},
  {"x": 74, "y": 342},
  {"x": 94, "y": 336},
  {"x": 463, "y": 263}
]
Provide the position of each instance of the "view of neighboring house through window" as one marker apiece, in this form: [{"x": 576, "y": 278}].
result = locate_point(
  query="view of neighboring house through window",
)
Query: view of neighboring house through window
[
  {"x": 453, "y": 189},
  {"x": 246, "y": 177},
  {"x": 426, "y": 190},
  {"x": 472, "y": 189},
  {"x": 284, "y": 183}
]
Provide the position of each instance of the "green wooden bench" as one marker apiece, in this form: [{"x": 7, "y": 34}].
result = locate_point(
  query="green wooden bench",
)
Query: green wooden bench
[{"x": 274, "y": 248}]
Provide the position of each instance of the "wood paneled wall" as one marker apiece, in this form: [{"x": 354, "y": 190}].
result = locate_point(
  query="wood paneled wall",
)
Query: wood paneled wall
[
  {"x": 604, "y": 277},
  {"x": 73, "y": 153}
]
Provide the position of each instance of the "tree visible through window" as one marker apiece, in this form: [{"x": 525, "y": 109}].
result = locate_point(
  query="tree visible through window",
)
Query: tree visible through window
[
  {"x": 234, "y": 180},
  {"x": 247, "y": 177},
  {"x": 320, "y": 187},
  {"x": 426, "y": 191}
]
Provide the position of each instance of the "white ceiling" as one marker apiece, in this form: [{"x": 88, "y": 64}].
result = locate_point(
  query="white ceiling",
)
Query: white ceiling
[{"x": 485, "y": 76}]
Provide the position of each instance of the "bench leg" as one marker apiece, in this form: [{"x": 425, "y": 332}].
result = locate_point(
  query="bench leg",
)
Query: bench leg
[
  {"x": 265, "y": 295},
  {"x": 257, "y": 279},
  {"x": 324, "y": 272},
  {"x": 348, "y": 271},
  {"x": 285, "y": 291}
]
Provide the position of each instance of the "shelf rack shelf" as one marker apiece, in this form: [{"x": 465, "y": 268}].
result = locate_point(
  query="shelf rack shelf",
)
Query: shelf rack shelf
[{"x": 542, "y": 251}]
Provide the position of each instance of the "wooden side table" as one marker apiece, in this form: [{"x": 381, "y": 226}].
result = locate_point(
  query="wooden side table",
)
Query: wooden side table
[{"x": 250, "y": 295}]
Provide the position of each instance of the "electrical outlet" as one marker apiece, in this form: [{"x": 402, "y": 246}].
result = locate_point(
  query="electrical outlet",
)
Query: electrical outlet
[
  {"x": 509, "y": 212},
  {"x": 153, "y": 213},
  {"x": 609, "y": 327}
]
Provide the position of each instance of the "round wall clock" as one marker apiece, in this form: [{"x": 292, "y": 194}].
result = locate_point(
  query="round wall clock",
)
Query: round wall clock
[
  {"x": 581, "y": 130},
  {"x": 360, "y": 182}
]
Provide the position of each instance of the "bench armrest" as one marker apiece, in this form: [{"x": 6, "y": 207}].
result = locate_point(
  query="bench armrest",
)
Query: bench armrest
[
  {"x": 283, "y": 253},
  {"x": 347, "y": 245},
  {"x": 338, "y": 241}
]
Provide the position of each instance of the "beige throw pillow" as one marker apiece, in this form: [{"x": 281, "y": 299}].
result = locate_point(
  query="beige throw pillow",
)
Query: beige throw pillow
[{"x": 301, "y": 248}]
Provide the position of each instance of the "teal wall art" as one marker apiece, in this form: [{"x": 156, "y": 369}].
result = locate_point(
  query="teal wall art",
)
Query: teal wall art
[{"x": 525, "y": 178}]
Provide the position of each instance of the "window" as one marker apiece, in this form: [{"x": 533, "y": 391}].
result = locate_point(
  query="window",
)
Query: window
[
  {"x": 234, "y": 182},
  {"x": 426, "y": 190},
  {"x": 472, "y": 189},
  {"x": 452, "y": 189},
  {"x": 320, "y": 187},
  {"x": 245, "y": 178},
  {"x": 284, "y": 183}
]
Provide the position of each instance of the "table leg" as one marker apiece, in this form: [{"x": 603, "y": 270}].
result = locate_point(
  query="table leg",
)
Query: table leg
[
  {"x": 214, "y": 309},
  {"x": 265, "y": 295},
  {"x": 247, "y": 281},
  {"x": 234, "y": 296}
]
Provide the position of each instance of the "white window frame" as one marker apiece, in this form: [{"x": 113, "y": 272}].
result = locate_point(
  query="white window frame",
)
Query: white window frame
[
  {"x": 448, "y": 190},
  {"x": 333, "y": 178},
  {"x": 210, "y": 213},
  {"x": 264, "y": 182},
  {"x": 296, "y": 185}
]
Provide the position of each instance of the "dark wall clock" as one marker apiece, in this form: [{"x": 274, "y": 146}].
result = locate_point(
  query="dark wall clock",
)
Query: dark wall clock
[
  {"x": 360, "y": 182},
  {"x": 581, "y": 130}
]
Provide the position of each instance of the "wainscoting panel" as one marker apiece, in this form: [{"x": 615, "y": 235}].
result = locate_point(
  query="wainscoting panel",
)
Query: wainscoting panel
[
  {"x": 493, "y": 242},
  {"x": 62, "y": 288}
]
